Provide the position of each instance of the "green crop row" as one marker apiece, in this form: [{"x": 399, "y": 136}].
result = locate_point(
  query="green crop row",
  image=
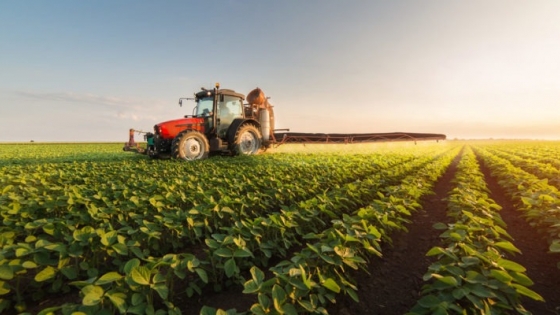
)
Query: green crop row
[
  {"x": 539, "y": 200},
  {"x": 41, "y": 153},
  {"x": 531, "y": 165},
  {"x": 470, "y": 275},
  {"x": 313, "y": 276},
  {"x": 543, "y": 152}
]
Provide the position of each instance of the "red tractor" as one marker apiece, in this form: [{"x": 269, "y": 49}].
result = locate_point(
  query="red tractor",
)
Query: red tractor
[{"x": 220, "y": 123}]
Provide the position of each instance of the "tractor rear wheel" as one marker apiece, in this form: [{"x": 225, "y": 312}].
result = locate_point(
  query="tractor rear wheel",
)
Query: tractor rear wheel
[
  {"x": 247, "y": 140},
  {"x": 190, "y": 145}
]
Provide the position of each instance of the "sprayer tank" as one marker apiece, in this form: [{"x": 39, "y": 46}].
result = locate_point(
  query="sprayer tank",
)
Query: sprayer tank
[{"x": 264, "y": 120}]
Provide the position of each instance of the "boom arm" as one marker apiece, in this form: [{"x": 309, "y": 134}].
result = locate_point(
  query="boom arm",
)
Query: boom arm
[{"x": 300, "y": 137}]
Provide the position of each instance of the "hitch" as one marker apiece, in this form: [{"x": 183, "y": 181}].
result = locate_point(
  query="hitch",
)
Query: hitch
[{"x": 131, "y": 145}]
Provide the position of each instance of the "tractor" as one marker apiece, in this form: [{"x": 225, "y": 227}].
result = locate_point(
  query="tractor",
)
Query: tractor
[{"x": 220, "y": 124}]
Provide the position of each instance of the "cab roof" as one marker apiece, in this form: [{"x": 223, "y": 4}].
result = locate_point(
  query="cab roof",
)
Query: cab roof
[{"x": 207, "y": 93}]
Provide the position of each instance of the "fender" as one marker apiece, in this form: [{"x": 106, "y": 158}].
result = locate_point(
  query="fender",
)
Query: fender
[{"x": 232, "y": 130}]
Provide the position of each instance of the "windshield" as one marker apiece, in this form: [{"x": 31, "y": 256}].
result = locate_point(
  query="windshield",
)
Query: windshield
[{"x": 205, "y": 106}]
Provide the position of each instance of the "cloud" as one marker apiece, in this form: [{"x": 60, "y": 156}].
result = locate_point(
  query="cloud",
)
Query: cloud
[
  {"x": 126, "y": 108},
  {"x": 87, "y": 98}
]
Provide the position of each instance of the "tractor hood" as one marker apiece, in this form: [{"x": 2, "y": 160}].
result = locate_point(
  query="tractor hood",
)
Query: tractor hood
[{"x": 170, "y": 129}]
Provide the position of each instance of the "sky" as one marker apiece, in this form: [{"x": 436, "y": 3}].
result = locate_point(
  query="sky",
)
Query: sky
[{"x": 90, "y": 70}]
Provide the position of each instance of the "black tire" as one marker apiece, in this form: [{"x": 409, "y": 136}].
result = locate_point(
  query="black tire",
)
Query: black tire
[
  {"x": 247, "y": 141},
  {"x": 190, "y": 145}
]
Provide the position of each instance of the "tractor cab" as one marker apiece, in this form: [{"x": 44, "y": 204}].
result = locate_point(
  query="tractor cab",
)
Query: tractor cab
[{"x": 219, "y": 108}]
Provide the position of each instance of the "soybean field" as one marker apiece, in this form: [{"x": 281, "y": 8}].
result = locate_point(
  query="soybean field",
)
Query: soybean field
[{"x": 454, "y": 227}]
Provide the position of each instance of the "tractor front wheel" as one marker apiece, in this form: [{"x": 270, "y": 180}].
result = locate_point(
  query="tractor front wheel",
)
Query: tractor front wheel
[
  {"x": 190, "y": 145},
  {"x": 247, "y": 141}
]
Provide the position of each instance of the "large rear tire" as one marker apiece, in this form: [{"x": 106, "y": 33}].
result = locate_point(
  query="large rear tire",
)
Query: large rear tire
[
  {"x": 190, "y": 145},
  {"x": 247, "y": 141}
]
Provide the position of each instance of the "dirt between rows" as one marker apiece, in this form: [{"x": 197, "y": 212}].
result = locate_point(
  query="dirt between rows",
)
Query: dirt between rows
[{"x": 541, "y": 266}]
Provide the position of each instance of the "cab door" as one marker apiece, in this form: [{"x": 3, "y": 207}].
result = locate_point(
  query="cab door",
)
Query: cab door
[{"x": 229, "y": 108}]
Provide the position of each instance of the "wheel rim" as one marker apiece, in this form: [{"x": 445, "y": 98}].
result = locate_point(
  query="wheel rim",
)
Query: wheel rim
[
  {"x": 248, "y": 143},
  {"x": 192, "y": 149}
]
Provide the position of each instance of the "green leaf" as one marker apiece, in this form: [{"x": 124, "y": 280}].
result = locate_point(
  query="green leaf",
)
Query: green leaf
[
  {"x": 528, "y": 292},
  {"x": 440, "y": 226},
  {"x": 230, "y": 267},
  {"x": 555, "y": 247},
  {"x": 162, "y": 290},
  {"x": 202, "y": 274},
  {"x": 521, "y": 278},
  {"x": 51, "y": 311},
  {"x": 137, "y": 299},
  {"x": 22, "y": 251},
  {"x": 429, "y": 301},
  {"x": 353, "y": 294},
  {"x": 212, "y": 244},
  {"x": 306, "y": 305},
  {"x": 458, "y": 293},
  {"x": 158, "y": 278},
  {"x": 250, "y": 286},
  {"x": 206, "y": 310},
  {"x": 481, "y": 291},
  {"x": 29, "y": 264},
  {"x": 140, "y": 309},
  {"x": 264, "y": 301},
  {"x": 435, "y": 251},
  {"x": 45, "y": 274},
  {"x": 121, "y": 249},
  {"x": 510, "y": 265},
  {"x": 7, "y": 188},
  {"x": 289, "y": 309},
  {"x": 135, "y": 200},
  {"x": 49, "y": 228},
  {"x": 508, "y": 246},
  {"x": 135, "y": 262},
  {"x": 118, "y": 299},
  {"x": 108, "y": 278},
  {"x": 108, "y": 238},
  {"x": 257, "y": 275},
  {"x": 450, "y": 280},
  {"x": 6, "y": 272},
  {"x": 93, "y": 295},
  {"x": 455, "y": 236},
  {"x": 4, "y": 288},
  {"x": 331, "y": 285},
  {"x": 71, "y": 272},
  {"x": 278, "y": 297},
  {"x": 140, "y": 275},
  {"x": 242, "y": 253},
  {"x": 223, "y": 252},
  {"x": 467, "y": 261},
  {"x": 501, "y": 275}
]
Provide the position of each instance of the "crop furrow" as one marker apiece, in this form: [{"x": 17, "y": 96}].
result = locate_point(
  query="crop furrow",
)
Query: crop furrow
[
  {"x": 470, "y": 275},
  {"x": 539, "y": 201},
  {"x": 532, "y": 166}
]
